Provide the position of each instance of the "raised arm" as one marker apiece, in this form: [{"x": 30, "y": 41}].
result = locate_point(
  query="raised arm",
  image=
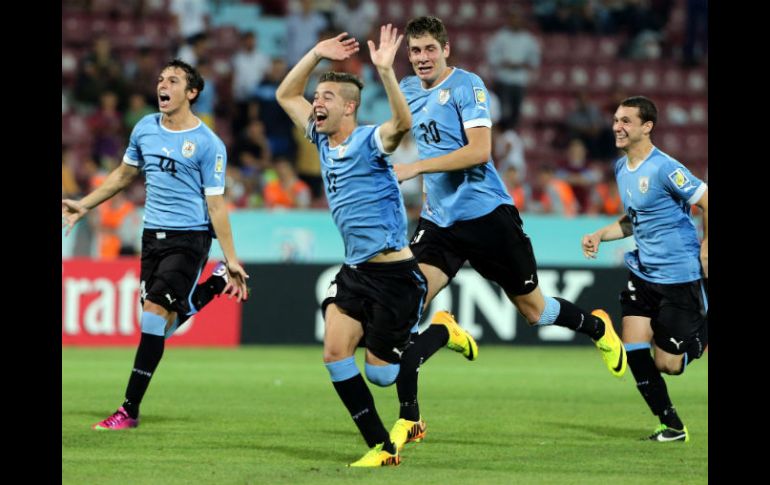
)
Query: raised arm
[
  {"x": 290, "y": 93},
  {"x": 617, "y": 230},
  {"x": 393, "y": 130},
  {"x": 74, "y": 210}
]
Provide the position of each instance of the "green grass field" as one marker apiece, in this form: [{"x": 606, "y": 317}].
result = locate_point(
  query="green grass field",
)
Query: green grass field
[{"x": 269, "y": 415}]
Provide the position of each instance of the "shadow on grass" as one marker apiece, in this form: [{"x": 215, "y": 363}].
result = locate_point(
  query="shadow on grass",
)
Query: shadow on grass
[{"x": 599, "y": 430}]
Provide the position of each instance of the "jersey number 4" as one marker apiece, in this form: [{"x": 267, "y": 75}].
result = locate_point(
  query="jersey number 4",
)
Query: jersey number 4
[{"x": 168, "y": 165}]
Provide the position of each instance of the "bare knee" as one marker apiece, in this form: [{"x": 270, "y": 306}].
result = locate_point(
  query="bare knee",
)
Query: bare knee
[{"x": 334, "y": 354}]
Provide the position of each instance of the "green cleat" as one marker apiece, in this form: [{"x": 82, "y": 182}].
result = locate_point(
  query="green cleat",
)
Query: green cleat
[
  {"x": 377, "y": 457},
  {"x": 459, "y": 339},
  {"x": 611, "y": 346},
  {"x": 405, "y": 431},
  {"x": 664, "y": 433}
]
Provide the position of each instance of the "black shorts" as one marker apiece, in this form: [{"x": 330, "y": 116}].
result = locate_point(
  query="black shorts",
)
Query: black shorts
[
  {"x": 172, "y": 262},
  {"x": 495, "y": 245},
  {"x": 386, "y": 298},
  {"x": 678, "y": 313}
]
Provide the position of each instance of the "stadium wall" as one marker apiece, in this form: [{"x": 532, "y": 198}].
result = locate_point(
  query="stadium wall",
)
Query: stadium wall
[{"x": 100, "y": 305}]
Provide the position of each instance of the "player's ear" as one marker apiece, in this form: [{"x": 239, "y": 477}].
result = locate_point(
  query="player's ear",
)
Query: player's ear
[
  {"x": 446, "y": 49},
  {"x": 647, "y": 127},
  {"x": 191, "y": 94}
]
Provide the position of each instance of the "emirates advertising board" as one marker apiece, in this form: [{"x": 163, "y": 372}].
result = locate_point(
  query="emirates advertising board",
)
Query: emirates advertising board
[{"x": 100, "y": 307}]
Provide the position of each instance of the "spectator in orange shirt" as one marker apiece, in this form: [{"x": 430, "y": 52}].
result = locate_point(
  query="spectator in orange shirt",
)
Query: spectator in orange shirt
[
  {"x": 287, "y": 190},
  {"x": 519, "y": 191},
  {"x": 556, "y": 195}
]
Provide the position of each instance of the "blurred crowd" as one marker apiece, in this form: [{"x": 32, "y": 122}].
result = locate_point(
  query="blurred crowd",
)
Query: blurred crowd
[{"x": 553, "y": 143}]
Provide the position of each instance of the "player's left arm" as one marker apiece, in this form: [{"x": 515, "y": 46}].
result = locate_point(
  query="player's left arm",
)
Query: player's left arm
[
  {"x": 221, "y": 221},
  {"x": 476, "y": 152},
  {"x": 703, "y": 203},
  {"x": 393, "y": 130}
]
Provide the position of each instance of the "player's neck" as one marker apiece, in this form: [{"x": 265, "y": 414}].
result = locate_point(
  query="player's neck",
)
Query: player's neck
[
  {"x": 179, "y": 121},
  {"x": 638, "y": 153},
  {"x": 341, "y": 135}
]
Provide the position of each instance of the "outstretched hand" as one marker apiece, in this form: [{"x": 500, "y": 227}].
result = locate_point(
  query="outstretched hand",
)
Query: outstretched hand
[
  {"x": 390, "y": 41},
  {"x": 405, "y": 171},
  {"x": 71, "y": 212},
  {"x": 590, "y": 244},
  {"x": 336, "y": 48},
  {"x": 236, "y": 283}
]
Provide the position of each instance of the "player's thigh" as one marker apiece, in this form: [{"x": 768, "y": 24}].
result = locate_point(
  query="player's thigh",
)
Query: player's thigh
[
  {"x": 175, "y": 266},
  {"x": 636, "y": 329},
  {"x": 681, "y": 325},
  {"x": 436, "y": 279},
  {"x": 394, "y": 309},
  {"x": 440, "y": 258},
  {"x": 499, "y": 249},
  {"x": 342, "y": 333}
]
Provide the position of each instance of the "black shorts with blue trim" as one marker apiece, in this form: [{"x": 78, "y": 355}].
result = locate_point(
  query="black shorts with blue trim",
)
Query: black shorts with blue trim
[
  {"x": 172, "y": 262},
  {"x": 678, "y": 313},
  {"x": 387, "y": 299},
  {"x": 495, "y": 245}
]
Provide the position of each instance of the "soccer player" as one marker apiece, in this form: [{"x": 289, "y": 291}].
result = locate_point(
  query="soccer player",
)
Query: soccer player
[
  {"x": 377, "y": 296},
  {"x": 665, "y": 304},
  {"x": 468, "y": 214},
  {"x": 183, "y": 162}
]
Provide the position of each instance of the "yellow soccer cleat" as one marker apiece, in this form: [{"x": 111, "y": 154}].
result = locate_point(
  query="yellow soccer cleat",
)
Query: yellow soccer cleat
[
  {"x": 611, "y": 346},
  {"x": 459, "y": 339},
  {"x": 377, "y": 457},
  {"x": 405, "y": 431}
]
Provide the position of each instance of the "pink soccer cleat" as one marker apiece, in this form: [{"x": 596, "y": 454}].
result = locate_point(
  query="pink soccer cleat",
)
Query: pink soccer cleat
[{"x": 119, "y": 420}]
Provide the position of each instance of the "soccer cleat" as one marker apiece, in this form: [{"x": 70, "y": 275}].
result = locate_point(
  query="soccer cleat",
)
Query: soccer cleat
[
  {"x": 119, "y": 420},
  {"x": 611, "y": 346},
  {"x": 664, "y": 433},
  {"x": 459, "y": 339},
  {"x": 377, "y": 457},
  {"x": 405, "y": 431}
]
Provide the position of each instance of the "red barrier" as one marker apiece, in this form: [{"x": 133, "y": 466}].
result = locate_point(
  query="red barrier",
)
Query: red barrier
[{"x": 100, "y": 307}]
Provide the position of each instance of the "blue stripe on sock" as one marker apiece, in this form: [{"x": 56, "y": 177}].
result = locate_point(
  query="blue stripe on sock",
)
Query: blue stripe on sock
[
  {"x": 637, "y": 346},
  {"x": 173, "y": 328},
  {"x": 424, "y": 287},
  {"x": 342, "y": 370},
  {"x": 382, "y": 375},
  {"x": 550, "y": 312},
  {"x": 153, "y": 324}
]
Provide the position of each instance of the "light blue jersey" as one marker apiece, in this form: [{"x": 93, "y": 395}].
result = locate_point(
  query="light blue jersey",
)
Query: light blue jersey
[
  {"x": 362, "y": 191},
  {"x": 440, "y": 116},
  {"x": 180, "y": 169},
  {"x": 657, "y": 196}
]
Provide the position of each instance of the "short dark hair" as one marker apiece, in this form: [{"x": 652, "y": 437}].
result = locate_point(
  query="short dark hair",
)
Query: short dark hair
[
  {"x": 193, "y": 77},
  {"x": 433, "y": 26},
  {"x": 647, "y": 109},
  {"x": 345, "y": 78}
]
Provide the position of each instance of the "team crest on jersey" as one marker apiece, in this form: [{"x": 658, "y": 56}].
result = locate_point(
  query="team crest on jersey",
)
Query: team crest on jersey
[
  {"x": 188, "y": 148},
  {"x": 443, "y": 96},
  {"x": 679, "y": 178},
  {"x": 480, "y": 95},
  {"x": 644, "y": 184},
  {"x": 220, "y": 165},
  {"x": 342, "y": 149}
]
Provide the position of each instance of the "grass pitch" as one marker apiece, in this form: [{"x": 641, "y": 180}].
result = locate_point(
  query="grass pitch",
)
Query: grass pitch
[{"x": 269, "y": 415}]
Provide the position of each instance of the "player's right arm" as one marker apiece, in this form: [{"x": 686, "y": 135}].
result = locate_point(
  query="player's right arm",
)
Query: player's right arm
[
  {"x": 617, "y": 230},
  {"x": 290, "y": 93},
  {"x": 74, "y": 210}
]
